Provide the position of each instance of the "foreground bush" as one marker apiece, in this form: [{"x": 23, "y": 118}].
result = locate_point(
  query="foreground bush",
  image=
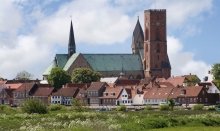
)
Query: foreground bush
[
  {"x": 121, "y": 108},
  {"x": 164, "y": 107},
  {"x": 54, "y": 107},
  {"x": 34, "y": 106},
  {"x": 198, "y": 107},
  {"x": 7, "y": 109},
  {"x": 148, "y": 107}
]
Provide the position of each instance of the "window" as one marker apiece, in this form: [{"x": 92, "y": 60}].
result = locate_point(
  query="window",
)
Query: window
[
  {"x": 206, "y": 99},
  {"x": 194, "y": 99},
  {"x": 113, "y": 94},
  {"x": 131, "y": 101},
  {"x": 106, "y": 94},
  {"x": 191, "y": 99},
  {"x": 200, "y": 99},
  {"x": 125, "y": 96}
]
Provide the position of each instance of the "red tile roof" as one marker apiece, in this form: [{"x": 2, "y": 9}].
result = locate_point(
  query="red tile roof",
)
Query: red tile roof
[
  {"x": 192, "y": 91},
  {"x": 178, "y": 80},
  {"x": 77, "y": 85},
  {"x": 125, "y": 82},
  {"x": 96, "y": 85},
  {"x": 158, "y": 93},
  {"x": 13, "y": 86},
  {"x": 25, "y": 87},
  {"x": 43, "y": 91}
]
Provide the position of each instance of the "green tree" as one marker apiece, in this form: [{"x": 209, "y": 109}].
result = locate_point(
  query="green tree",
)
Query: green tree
[
  {"x": 216, "y": 73},
  {"x": 85, "y": 75},
  {"x": 171, "y": 103},
  {"x": 58, "y": 77},
  {"x": 23, "y": 75},
  {"x": 192, "y": 80}
]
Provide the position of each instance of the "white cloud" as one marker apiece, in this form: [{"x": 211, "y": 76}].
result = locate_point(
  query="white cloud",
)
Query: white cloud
[
  {"x": 180, "y": 11},
  {"x": 184, "y": 62},
  {"x": 27, "y": 55},
  {"x": 96, "y": 22}
]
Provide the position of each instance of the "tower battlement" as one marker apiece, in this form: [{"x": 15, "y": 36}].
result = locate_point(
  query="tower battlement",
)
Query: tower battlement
[{"x": 155, "y": 10}]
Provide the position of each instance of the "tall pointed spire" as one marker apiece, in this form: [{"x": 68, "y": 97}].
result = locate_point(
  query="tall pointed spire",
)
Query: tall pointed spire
[
  {"x": 71, "y": 45},
  {"x": 138, "y": 38}
]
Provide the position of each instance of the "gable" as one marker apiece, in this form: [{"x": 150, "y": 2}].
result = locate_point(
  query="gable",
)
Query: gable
[
  {"x": 114, "y": 62},
  {"x": 76, "y": 61}
]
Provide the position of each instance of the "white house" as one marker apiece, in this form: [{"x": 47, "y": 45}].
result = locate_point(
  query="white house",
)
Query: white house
[
  {"x": 126, "y": 96},
  {"x": 64, "y": 96},
  {"x": 210, "y": 86},
  {"x": 138, "y": 99}
]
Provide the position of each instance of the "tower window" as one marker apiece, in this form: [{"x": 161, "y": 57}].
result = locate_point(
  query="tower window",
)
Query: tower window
[
  {"x": 158, "y": 48},
  {"x": 158, "y": 57}
]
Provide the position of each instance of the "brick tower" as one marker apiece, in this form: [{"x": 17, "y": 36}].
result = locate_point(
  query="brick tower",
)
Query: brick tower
[{"x": 156, "y": 60}]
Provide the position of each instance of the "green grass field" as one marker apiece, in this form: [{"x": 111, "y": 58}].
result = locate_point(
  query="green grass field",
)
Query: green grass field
[
  {"x": 189, "y": 129},
  {"x": 67, "y": 119}
]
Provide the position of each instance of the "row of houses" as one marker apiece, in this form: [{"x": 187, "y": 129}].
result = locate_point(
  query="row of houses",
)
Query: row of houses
[{"x": 112, "y": 91}]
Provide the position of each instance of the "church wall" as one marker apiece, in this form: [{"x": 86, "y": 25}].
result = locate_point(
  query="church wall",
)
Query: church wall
[
  {"x": 80, "y": 62},
  {"x": 128, "y": 74}
]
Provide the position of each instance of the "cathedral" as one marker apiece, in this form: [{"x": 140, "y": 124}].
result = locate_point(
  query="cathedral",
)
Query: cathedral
[{"x": 149, "y": 53}]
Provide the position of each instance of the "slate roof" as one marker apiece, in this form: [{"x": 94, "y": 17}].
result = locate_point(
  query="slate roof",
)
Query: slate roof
[
  {"x": 114, "y": 62},
  {"x": 100, "y": 62}
]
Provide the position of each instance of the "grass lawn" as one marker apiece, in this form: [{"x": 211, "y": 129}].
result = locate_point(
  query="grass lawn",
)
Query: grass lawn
[
  {"x": 67, "y": 119},
  {"x": 189, "y": 129}
]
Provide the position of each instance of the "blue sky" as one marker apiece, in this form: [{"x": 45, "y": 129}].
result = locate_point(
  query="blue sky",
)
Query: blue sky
[{"x": 33, "y": 31}]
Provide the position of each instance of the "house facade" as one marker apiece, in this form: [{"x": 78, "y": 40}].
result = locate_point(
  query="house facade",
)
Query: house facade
[
  {"x": 43, "y": 93},
  {"x": 23, "y": 93},
  {"x": 94, "y": 92},
  {"x": 64, "y": 96},
  {"x": 126, "y": 97},
  {"x": 110, "y": 96}
]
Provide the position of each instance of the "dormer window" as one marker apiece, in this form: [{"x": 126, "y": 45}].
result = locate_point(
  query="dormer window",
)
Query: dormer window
[
  {"x": 106, "y": 94},
  {"x": 113, "y": 94}
]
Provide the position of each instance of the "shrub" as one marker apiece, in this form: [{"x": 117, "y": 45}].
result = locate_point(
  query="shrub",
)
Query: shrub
[
  {"x": 211, "y": 108},
  {"x": 148, "y": 107},
  {"x": 54, "y": 107},
  {"x": 198, "y": 107},
  {"x": 34, "y": 106},
  {"x": 164, "y": 107},
  {"x": 121, "y": 108},
  {"x": 78, "y": 105}
]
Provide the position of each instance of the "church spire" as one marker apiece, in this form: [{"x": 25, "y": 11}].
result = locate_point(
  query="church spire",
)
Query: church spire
[
  {"x": 71, "y": 45},
  {"x": 137, "y": 38}
]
